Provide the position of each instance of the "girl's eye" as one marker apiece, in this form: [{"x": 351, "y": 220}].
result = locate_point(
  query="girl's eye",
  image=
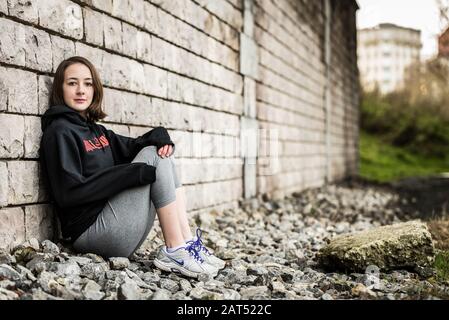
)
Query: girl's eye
[{"x": 88, "y": 84}]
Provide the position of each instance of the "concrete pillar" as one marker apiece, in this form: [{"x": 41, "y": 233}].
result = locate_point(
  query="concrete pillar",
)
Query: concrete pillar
[
  {"x": 327, "y": 91},
  {"x": 249, "y": 137}
]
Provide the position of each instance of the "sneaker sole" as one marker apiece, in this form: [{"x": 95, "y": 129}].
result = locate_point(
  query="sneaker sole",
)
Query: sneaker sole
[
  {"x": 218, "y": 266},
  {"x": 172, "y": 267}
]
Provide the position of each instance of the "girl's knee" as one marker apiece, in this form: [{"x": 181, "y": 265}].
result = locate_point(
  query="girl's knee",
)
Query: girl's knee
[
  {"x": 147, "y": 155},
  {"x": 149, "y": 149},
  {"x": 150, "y": 156}
]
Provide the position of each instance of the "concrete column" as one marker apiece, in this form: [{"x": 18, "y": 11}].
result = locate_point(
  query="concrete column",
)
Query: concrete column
[
  {"x": 249, "y": 137},
  {"x": 327, "y": 91}
]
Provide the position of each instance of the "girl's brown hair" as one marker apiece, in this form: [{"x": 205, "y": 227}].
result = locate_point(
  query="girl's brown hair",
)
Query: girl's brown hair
[{"x": 95, "y": 111}]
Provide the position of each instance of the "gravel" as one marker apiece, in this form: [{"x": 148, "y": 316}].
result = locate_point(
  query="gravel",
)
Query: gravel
[{"x": 270, "y": 247}]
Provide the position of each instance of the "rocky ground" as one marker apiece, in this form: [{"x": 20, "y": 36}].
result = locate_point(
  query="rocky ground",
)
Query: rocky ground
[{"x": 270, "y": 248}]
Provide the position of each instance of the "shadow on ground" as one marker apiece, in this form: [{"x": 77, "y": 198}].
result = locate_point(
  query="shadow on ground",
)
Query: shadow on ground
[{"x": 426, "y": 198}]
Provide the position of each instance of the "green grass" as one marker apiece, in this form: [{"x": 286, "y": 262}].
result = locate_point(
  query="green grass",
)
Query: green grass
[
  {"x": 382, "y": 162},
  {"x": 442, "y": 265}
]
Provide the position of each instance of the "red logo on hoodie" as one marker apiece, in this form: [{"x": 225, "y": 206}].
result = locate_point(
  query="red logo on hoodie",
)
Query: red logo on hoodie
[{"x": 96, "y": 143}]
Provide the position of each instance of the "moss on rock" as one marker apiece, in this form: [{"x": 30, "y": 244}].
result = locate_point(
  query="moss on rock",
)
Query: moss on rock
[{"x": 402, "y": 245}]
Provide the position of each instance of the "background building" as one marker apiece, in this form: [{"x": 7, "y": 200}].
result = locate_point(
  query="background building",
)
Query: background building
[
  {"x": 384, "y": 52},
  {"x": 443, "y": 44}
]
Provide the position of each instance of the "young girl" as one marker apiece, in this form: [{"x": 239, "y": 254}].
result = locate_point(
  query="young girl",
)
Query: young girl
[{"x": 107, "y": 188}]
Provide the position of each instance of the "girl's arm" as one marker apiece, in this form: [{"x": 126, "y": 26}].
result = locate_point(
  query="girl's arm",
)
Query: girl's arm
[
  {"x": 126, "y": 148},
  {"x": 61, "y": 159}
]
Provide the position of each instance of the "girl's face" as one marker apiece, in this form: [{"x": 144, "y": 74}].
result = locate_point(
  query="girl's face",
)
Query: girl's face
[{"x": 78, "y": 87}]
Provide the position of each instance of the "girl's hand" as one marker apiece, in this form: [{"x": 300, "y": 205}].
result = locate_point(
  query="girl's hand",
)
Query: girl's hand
[{"x": 165, "y": 151}]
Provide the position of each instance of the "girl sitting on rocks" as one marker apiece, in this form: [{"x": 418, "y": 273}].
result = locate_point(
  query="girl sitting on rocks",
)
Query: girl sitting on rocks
[{"x": 107, "y": 188}]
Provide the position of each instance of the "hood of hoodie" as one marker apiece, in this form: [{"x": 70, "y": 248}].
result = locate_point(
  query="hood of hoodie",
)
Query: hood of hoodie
[
  {"x": 68, "y": 113},
  {"x": 62, "y": 110}
]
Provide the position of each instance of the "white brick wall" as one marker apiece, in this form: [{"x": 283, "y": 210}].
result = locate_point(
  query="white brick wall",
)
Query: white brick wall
[
  {"x": 12, "y": 227},
  {"x": 291, "y": 91},
  {"x": 177, "y": 64}
]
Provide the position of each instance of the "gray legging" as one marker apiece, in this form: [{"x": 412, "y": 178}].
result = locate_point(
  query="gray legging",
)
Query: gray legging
[{"x": 126, "y": 219}]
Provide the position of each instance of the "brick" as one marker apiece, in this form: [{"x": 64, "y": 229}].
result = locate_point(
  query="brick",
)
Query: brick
[
  {"x": 181, "y": 61},
  {"x": 62, "y": 49},
  {"x": 12, "y": 42},
  {"x": 96, "y": 57},
  {"x": 193, "y": 171},
  {"x": 4, "y": 184},
  {"x": 11, "y": 135},
  {"x": 24, "y": 181},
  {"x": 162, "y": 52},
  {"x": 152, "y": 112},
  {"x": 112, "y": 33},
  {"x": 171, "y": 26},
  {"x": 144, "y": 46},
  {"x": 23, "y": 9},
  {"x": 20, "y": 90},
  {"x": 120, "y": 8},
  {"x": 224, "y": 10},
  {"x": 226, "y": 79},
  {"x": 38, "y": 50},
  {"x": 115, "y": 102},
  {"x": 105, "y": 5},
  {"x": 137, "y": 76},
  {"x": 121, "y": 73},
  {"x": 173, "y": 30},
  {"x": 176, "y": 8},
  {"x": 180, "y": 88},
  {"x": 237, "y": 3},
  {"x": 24, "y": 46},
  {"x": 62, "y": 16},
  {"x": 183, "y": 143},
  {"x": 118, "y": 129},
  {"x": 39, "y": 222},
  {"x": 209, "y": 194},
  {"x": 4, "y": 91},
  {"x": 130, "y": 38},
  {"x": 167, "y": 114},
  {"x": 44, "y": 87},
  {"x": 156, "y": 81},
  {"x": 150, "y": 18},
  {"x": 12, "y": 228},
  {"x": 138, "y": 131},
  {"x": 136, "y": 13},
  {"x": 125, "y": 105},
  {"x": 33, "y": 134},
  {"x": 94, "y": 26},
  {"x": 193, "y": 14},
  {"x": 3, "y": 7}
]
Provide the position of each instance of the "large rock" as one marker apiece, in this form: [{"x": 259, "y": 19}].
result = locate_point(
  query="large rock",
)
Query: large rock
[{"x": 402, "y": 245}]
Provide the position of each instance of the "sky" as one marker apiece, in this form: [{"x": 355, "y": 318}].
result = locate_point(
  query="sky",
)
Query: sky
[{"x": 418, "y": 14}]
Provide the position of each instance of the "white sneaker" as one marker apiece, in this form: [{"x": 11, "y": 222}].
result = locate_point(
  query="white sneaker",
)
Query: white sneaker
[
  {"x": 204, "y": 252},
  {"x": 184, "y": 260}
]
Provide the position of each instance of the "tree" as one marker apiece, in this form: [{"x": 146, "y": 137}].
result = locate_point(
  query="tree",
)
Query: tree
[{"x": 443, "y": 8}]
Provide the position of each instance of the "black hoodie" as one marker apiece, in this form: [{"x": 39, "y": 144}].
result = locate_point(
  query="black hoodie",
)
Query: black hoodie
[{"x": 84, "y": 164}]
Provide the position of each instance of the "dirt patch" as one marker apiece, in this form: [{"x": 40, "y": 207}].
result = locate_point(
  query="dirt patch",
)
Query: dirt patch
[{"x": 422, "y": 198}]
